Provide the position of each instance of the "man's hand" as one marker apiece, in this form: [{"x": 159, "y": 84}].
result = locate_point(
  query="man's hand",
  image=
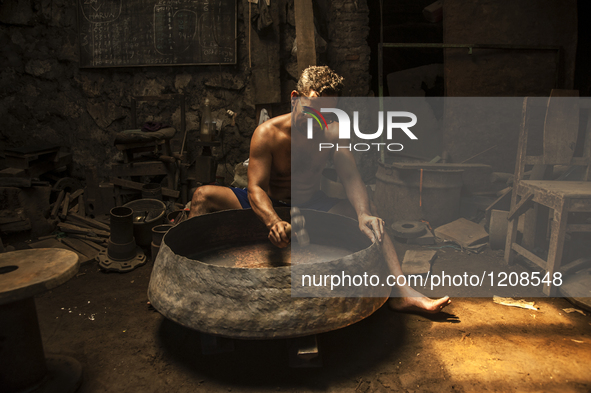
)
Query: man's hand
[
  {"x": 367, "y": 223},
  {"x": 280, "y": 234}
]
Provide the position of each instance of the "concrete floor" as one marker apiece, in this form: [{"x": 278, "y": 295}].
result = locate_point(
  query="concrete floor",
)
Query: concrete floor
[{"x": 104, "y": 321}]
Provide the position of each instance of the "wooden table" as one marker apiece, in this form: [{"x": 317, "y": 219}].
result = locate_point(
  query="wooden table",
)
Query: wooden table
[{"x": 23, "y": 364}]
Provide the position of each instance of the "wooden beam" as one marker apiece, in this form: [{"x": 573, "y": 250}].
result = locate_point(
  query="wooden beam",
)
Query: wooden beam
[
  {"x": 523, "y": 205},
  {"x": 58, "y": 204},
  {"x": 83, "y": 231},
  {"x": 265, "y": 53},
  {"x": 138, "y": 186},
  {"x": 578, "y": 228},
  {"x": 529, "y": 255},
  {"x": 65, "y": 206},
  {"x": 90, "y": 222},
  {"x": 575, "y": 265},
  {"x": 304, "y": 20},
  {"x": 140, "y": 169}
]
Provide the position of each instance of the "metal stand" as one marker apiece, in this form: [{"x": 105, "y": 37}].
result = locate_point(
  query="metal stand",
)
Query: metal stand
[
  {"x": 304, "y": 352},
  {"x": 211, "y": 344}
]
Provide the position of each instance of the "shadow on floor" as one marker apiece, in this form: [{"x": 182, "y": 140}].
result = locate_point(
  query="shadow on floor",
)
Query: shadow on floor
[{"x": 265, "y": 363}]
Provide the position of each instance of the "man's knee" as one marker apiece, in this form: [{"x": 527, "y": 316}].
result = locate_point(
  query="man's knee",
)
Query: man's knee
[
  {"x": 204, "y": 198},
  {"x": 201, "y": 195}
]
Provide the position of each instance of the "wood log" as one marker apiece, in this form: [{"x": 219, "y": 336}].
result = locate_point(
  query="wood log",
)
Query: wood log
[
  {"x": 97, "y": 240},
  {"x": 9, "y": 215},
  {"x": 68, "y": 228},
  {"x": 65, "y": 205},
  {"x": 82, "y": 208},
  {"x": 18, "y": 226},
  {"x": 92, "y": 244},
  {"x": 58, "y": 204},
  {"x": 91, "y": 222},
  {"x": 15, "y": 182},
  {"x": 81, "y": 247},
  {"x": 76, "y": 194}
]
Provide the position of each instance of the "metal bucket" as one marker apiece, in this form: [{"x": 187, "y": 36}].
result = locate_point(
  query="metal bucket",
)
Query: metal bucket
[
  {"x": 399, "y": 195},
  {"x": 147, "y": 213},
  {"x": 152, "y": 191},
  {"x": 254, "y": 303},
  {"x": 174, "y": 217},
  {"x": 158, "y": 233}
]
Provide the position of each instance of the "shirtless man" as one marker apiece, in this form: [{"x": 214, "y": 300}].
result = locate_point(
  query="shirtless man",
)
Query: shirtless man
[{"x": 271, "y": 180}]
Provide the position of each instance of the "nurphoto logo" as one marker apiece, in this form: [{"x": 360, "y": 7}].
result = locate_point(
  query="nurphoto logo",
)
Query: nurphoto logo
[{"x": 392, "y": 123}]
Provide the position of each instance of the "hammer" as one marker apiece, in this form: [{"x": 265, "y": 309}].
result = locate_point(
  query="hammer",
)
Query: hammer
[{"x": 298, "y": 223}]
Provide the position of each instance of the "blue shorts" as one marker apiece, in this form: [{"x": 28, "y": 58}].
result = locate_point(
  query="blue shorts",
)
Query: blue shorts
[{"x": 319, "y": 201}]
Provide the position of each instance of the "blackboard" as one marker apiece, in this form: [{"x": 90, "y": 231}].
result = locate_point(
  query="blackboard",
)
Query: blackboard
[{"x": 123, "y": 33}]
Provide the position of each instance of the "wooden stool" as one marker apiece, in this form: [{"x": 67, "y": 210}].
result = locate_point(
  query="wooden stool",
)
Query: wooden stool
[{"x": 23, "y": 365}]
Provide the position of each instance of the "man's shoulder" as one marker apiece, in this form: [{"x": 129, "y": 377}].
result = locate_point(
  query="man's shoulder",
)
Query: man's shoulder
[{"x": 275, "y": 127}]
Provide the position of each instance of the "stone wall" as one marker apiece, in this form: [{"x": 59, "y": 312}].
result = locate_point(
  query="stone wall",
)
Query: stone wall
[{"x": 46, "y": 98}]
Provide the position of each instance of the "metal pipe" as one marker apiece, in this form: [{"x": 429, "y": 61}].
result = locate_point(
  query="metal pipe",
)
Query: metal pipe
[{"x": 121, "y": 225}]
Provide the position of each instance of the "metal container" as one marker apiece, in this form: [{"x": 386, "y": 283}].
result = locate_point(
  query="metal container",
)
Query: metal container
[
  {"x": 158, "y": 233},
  {"x": 147, "y": 213},
  {"x": 174, "y": 217},
  {"x": 121, "y": 225},
  {"x": 255, "y": 303},
  {"x": 152, "y": 191},
  {"x": 399, "y": 195}
]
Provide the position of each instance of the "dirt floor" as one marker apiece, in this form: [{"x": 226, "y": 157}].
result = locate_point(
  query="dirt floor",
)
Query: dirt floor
[{"x": 104, "y": 321}]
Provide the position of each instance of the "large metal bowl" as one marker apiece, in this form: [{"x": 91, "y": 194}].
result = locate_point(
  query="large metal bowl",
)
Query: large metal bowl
[{"x": 257, "y": 303}]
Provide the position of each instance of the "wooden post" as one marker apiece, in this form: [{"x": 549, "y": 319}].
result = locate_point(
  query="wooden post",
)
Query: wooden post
[
  {"x": 304, "y": 20},
  {"x": 265, "y": 53}
]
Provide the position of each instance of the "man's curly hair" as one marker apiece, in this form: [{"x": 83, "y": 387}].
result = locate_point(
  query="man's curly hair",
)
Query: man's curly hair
[{"x": 321, "y": 79}]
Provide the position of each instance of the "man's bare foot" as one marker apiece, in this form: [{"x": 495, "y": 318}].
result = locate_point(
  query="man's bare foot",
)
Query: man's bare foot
[{"x": 409, "y": 300}]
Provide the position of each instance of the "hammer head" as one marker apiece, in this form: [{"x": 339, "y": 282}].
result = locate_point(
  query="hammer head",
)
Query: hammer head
[{"x": 298, "y": 226}]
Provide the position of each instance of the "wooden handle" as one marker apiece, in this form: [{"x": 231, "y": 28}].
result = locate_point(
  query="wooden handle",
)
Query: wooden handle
[{"x": 167, "y": 159}]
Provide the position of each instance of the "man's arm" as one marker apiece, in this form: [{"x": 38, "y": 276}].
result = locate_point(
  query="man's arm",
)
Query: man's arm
[
  {"x": 357, "y": 194},
  {"x": 259, "y": 174}
]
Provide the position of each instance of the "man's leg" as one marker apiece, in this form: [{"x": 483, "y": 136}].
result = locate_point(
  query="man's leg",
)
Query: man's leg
[
  {"x": 208, "y": 199},
  {"x": 404, "y": 298}
]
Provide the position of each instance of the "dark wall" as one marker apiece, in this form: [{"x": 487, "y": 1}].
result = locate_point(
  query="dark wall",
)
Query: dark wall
[
  {"x": 583, "y": 59},
  {"x": 46, "y": 98},
  {"x": 502, "y": 73}
]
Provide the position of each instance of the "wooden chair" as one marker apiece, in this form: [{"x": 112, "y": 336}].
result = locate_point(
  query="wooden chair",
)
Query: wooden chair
[
  {"x": 135, "y": 141},
  {"x": 560, "y": 134}
]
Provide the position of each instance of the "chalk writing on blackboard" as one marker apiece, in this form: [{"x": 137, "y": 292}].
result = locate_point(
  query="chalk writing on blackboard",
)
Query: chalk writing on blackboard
[{"x": 118, "y": 33}]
